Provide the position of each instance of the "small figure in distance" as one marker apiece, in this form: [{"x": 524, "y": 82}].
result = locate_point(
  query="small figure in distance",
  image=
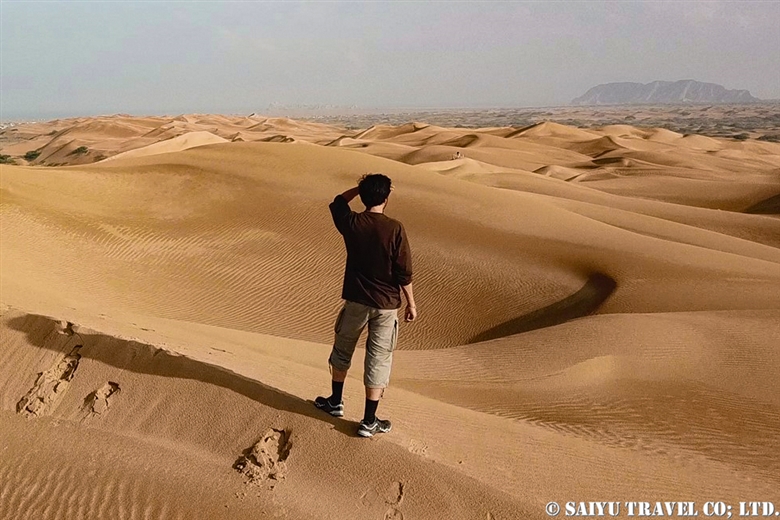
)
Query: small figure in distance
[{"x": 379, "y": 267}]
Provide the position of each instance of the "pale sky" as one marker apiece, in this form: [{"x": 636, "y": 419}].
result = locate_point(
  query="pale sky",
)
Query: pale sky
[{"x": 69, "y": 57}]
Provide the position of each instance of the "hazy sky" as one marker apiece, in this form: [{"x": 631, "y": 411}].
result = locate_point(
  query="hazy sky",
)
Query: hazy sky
[{"x": 90, "y": 57}]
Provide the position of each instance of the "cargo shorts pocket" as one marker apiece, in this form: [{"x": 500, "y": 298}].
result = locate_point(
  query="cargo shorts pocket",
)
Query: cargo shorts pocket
[{"x": 339, "y": 321}]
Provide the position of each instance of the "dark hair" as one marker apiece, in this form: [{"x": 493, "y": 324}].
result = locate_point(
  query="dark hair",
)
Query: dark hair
[{"x": 374, "y": 189}]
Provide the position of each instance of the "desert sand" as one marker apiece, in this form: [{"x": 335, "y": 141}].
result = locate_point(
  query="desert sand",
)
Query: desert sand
[{"x": 599, "y": 320}]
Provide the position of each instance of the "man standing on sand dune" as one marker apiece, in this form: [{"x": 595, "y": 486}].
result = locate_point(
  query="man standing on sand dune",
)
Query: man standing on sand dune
[{"x": 379, "y": 266}]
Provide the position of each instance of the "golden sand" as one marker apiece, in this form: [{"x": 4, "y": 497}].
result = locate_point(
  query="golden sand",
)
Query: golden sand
[{"x": 599, "y": 320}]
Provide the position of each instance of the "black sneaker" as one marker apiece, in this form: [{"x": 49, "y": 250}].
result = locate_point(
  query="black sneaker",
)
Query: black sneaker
[
  {"x": 335, "y": 410},
  {"x": 378, "y": 426}
]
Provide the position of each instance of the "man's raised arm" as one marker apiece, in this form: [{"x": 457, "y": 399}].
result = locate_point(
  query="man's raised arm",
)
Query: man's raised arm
[
  {"x": 340, "y": 210},
  {"x": 351, "y": 194}
]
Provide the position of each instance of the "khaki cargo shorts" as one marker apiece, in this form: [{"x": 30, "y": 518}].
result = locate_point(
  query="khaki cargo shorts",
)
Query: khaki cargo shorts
[{"x": 382, "y": 336}]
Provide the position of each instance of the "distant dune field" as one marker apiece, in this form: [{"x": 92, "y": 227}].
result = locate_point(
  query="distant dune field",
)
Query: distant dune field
[{"x": 599, "y": 319}]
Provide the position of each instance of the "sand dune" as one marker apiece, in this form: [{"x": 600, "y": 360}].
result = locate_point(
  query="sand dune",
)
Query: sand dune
[
  {"x": 599, "y": 320},
  {"x": 466, "y": 168},
  {"x": 386, "y": 131},
  {"x": 556, "y": 130},
  {"x": 638, "y": 386},
  {"x": 175, "y": 144},
  {"x": 108, "y": 136},
  {"x": 154, "y": 412}
]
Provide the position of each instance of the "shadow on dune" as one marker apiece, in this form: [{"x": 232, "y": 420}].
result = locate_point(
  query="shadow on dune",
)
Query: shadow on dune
[
  {"x": 589, "y": 298},
  {"x": 770, "y": 206},
  {"x": 147, "y": 359}
]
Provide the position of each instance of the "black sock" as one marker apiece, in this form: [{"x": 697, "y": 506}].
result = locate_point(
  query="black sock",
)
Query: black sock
[
  {"x": 338, "y": 390},
  {"x": 370, "y": 416}
]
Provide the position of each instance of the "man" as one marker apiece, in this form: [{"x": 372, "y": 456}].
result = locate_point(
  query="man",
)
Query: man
[{"x": 379, "y": 266}]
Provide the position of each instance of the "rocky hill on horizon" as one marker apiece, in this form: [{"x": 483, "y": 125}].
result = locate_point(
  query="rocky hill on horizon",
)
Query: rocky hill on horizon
[{"x": 662, "y": 92}]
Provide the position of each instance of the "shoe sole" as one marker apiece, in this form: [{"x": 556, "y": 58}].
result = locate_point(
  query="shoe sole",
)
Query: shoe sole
[
  {"x": 367, "y": 434},
  {"x": 334, "y": 413}
]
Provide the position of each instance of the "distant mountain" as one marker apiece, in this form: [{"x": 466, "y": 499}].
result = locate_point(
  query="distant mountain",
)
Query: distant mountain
[{"x": 660, "y": 92}]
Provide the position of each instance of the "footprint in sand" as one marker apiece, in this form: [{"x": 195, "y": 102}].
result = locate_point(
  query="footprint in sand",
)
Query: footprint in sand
[
  {"x": 418, "y": 448},
  {"x": 393, "y": 496},
  {"x": 265, "y": 462},
  {"x": 100, "y": 399},
  {"x": 64, "y": 327},
  {"x": 394, "y": 514},
  {"x": 50, "y": 386}
]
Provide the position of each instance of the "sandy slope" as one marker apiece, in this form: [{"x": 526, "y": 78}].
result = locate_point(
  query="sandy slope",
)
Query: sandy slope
[{"x": 599, "y": 321}]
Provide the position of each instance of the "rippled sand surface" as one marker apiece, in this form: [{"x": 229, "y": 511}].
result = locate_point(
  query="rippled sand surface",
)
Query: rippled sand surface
[{"x": 599, "y": 320}]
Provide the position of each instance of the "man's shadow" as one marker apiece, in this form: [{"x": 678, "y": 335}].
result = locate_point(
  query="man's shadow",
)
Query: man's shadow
[{"x": 147, "y": 359}]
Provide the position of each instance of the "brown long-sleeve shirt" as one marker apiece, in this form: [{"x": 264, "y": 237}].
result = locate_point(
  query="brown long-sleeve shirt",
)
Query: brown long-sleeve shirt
[{"x": 379, "y": 260}]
